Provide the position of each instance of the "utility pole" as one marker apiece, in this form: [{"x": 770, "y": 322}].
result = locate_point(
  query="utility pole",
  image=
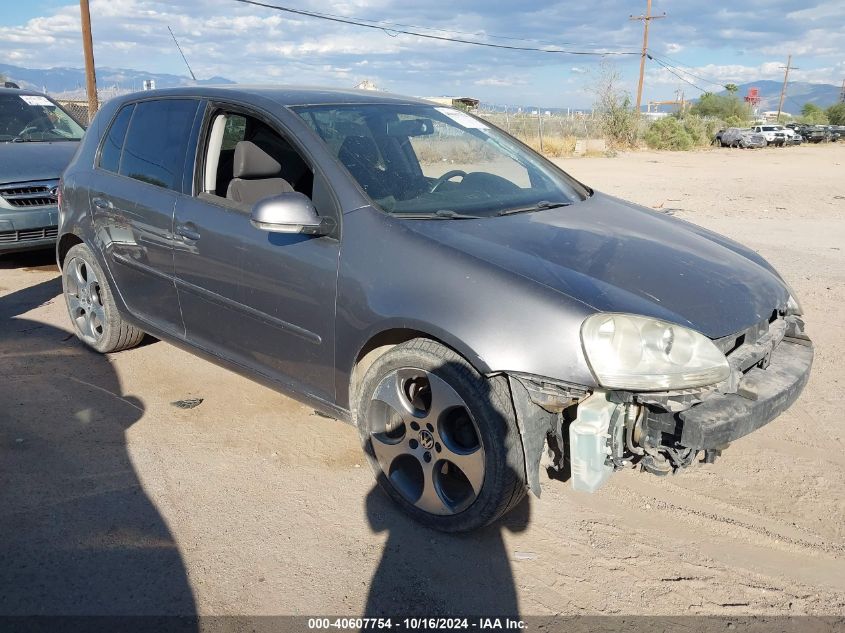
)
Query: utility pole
[
  {"x": 88, "y": 47},
  {"x": 842, "y": 94},
  {"x": 648, "y": 17},
  {"x": 786, "y": 68}
]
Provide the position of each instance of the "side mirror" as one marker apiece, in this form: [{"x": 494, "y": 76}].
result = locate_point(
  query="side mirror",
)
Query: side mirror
[{"x": 290, "y": 212}]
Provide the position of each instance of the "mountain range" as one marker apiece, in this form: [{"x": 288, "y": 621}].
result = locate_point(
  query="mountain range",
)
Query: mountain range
[
  {"x": 68, "y": 83},
  {"x": 797, "y": 94}
]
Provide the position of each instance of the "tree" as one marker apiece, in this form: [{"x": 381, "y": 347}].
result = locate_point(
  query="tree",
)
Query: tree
[
  {"x": 836, "y": 114},
  {"x": 721, "y": 106},
  {"x": 813, "y": 114},
  {"x": 732, "y": 88}
]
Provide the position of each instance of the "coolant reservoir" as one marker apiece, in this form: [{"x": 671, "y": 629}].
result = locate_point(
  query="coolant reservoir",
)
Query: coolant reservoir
[{"x": 588, "y": 436}]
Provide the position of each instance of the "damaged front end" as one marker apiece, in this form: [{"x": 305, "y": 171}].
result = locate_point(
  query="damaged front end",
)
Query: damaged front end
[{"x": 586, "y": 434}]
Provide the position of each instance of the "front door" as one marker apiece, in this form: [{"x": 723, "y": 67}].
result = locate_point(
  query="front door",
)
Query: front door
[{"x": 263, "y": 300}]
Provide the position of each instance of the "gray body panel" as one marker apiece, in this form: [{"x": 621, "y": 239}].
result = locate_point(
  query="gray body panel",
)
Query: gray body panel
[
  {"x": 508, "y": 293},
  {"x": 34, "y": 161}
]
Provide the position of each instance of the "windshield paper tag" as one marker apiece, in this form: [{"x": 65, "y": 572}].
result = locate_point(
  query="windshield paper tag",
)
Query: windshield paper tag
[
  {"x": 36, "y": 100},
  {"x": 462, "y": 118}
]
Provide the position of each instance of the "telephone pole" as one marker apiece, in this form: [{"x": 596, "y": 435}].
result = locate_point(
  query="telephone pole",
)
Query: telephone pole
[
  {"x": 786, "y": 68},
  {"x": 88, "y": 48},
  {"x": 646, "y": 18}
]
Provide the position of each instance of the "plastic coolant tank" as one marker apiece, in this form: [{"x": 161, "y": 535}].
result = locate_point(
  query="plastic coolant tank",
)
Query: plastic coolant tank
[{"x": 588, "y": 443}]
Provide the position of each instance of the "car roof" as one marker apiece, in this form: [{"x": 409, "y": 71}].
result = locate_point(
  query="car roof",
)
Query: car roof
[{"x": 285, "y": 95}]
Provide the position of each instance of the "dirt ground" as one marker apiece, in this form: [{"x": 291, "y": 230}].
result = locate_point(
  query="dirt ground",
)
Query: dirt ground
[{"x": 116, "y": 501}]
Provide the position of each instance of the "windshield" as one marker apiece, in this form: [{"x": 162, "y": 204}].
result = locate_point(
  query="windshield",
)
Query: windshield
[
  {"x": 435, "y": 161},
  {"x": 35, "y": 118}
]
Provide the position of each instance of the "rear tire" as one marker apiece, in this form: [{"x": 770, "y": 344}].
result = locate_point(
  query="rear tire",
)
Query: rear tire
[
  {"x": 91, "y": 307},
  {"x": 442, "y": 439}
]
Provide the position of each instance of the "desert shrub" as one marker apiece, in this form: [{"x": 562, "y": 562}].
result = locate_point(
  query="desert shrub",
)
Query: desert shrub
[
  {"x": 701, "y": 130},
  {"x": 554, "y": 146},
  {"x": 735, "y": 121},
  {"x": 668, "y": 133},
  {"x": 619, "y": 123}
]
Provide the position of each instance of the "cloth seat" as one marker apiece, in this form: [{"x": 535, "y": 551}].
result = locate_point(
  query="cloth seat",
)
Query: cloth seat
[{"x": 255, "y": 175}]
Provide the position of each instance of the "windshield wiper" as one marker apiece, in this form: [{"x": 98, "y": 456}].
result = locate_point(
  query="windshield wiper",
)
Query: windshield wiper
[
  {"x": 542, "y": 205},
  {"x": 440, "y": 214}
]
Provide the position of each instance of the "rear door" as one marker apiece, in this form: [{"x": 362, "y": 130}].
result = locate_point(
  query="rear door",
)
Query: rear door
[
  {"x": 133, "y": 196},
  {"x": 263, "y": 300}
]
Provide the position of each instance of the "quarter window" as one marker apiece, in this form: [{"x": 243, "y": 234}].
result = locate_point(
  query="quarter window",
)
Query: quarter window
[
  {"x": 157, "y": 140},
  {"x": 113, "y": 143}
]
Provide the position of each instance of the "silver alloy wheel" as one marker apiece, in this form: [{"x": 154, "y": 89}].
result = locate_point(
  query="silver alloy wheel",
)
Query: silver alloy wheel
[
  {"x": 82, "y": 291},
  {"x": 426, "y": 441}
]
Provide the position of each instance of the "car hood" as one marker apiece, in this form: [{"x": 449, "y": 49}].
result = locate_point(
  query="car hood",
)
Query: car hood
[
  {"x": 20, "y": 162},
  {"x": 618, "y": 257}
]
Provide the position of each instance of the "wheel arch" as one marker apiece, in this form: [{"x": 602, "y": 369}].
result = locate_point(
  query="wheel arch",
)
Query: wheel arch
[
  {"x": 65, "y": 243},
  {"x": 386, "y": 338}
]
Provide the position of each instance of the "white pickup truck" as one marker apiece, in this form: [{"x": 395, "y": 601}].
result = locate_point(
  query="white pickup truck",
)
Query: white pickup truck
[{"x": 773, "y": 134}]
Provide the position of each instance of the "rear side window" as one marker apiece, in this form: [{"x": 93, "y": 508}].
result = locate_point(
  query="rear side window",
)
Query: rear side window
[
  {"x": 158, "y": 137},
  {"x": 113, "y": 143}
]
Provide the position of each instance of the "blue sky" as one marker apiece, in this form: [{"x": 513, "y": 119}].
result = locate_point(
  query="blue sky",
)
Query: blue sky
[{"x": 712, "y": 43}]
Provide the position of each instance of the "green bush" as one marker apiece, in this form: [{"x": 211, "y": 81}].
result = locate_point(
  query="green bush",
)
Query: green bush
[{"x": 668, "y": 133}]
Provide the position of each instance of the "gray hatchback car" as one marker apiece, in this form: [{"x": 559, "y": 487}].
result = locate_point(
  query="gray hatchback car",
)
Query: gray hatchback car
[{"x": 474, "y": 311}]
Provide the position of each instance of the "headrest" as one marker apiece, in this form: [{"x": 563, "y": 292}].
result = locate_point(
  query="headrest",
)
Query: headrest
[{"x": 253, "y": 162}]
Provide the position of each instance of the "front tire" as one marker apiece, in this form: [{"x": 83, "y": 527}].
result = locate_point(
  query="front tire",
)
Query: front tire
[
  {"x": 90, "y": 304},
  {"x": 442, "y": 439}
]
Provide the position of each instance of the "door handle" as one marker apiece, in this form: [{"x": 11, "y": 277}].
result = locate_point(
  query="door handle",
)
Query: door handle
[
  {"x": 184, "y": 230},
  {"x": 102, "y": 203}
]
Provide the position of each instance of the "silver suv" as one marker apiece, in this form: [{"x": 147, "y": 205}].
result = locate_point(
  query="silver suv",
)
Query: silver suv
[{"x": 37, "y": 140}]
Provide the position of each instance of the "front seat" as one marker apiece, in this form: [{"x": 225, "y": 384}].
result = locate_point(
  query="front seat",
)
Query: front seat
[{"x": 255, "y": 175}]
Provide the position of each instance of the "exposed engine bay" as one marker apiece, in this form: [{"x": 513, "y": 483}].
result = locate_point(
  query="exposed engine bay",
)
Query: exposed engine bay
[{"x": 586, "y": 436}]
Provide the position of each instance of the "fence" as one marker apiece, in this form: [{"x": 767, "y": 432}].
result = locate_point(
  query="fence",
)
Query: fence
[
  {"x": 552, "y": 134},
  {"x": 77, "y": 109}
]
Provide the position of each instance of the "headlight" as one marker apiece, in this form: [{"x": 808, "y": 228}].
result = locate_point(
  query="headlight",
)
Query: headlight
[
  {"x": 638, "y": 353},
  {"x": 793, "y": 307}
]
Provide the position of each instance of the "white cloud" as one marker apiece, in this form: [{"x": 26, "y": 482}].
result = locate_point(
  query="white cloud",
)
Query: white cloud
[{"x": 253, "y": 44}]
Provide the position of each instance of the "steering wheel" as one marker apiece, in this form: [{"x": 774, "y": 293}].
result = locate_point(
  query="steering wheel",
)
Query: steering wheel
[
  {"x": 38, "y": 124},
  {"x": 447, "y": 176}
]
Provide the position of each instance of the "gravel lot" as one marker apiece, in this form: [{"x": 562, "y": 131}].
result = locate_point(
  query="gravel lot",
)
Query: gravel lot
[{"x": 116, "y": 501}]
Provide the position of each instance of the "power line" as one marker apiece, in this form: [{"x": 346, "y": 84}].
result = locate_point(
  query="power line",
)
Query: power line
[
  {"x": 682, "y": 66},
  {"x": 349, "y": 21},
  {"x": 386, "y": 24},
  {"x": 686, "y": 72},
  {"x": 677, "y": 75}
]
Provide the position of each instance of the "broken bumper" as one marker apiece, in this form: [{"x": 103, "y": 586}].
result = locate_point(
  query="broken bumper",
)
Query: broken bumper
[{"x": 763, "y": 395}]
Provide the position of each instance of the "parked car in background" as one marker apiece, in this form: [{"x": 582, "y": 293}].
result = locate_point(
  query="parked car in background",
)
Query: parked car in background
[
  {"x": 37, "y": 140},
  {"x": 836, "y": 132},
  {"x": 742, "y": 137},
  {"x": 812, "y": 133},
  {"x": 463, "y": 318}
]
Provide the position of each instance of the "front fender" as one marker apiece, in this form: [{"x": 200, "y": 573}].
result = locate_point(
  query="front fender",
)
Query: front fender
[{"x": 393, "y": 278}]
